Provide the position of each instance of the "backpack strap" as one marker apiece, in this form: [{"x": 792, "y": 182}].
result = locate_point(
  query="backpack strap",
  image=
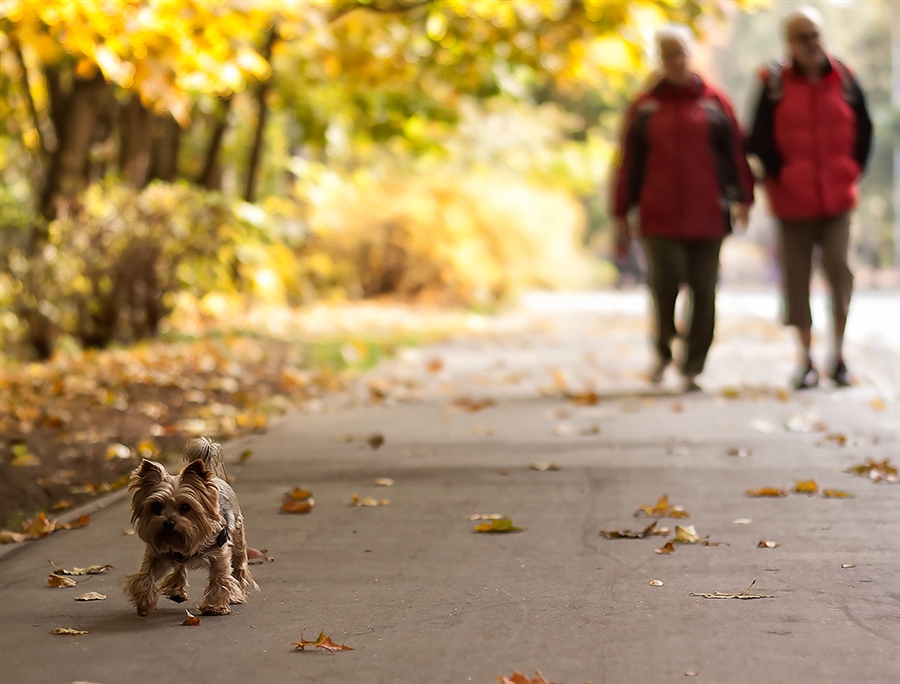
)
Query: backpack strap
[{"x": 773, "y": 77}]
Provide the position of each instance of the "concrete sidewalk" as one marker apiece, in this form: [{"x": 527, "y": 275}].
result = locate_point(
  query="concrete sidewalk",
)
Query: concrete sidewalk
[{"x": 422, "y": 599}]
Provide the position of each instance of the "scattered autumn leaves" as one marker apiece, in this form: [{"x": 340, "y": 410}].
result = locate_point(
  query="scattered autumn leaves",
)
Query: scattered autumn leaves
[
  {"x": 40, "y": 527},
  {"x": 323, "y": 642}
]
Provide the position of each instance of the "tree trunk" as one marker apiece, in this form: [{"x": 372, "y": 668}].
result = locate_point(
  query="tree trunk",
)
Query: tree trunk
[
  {"x": 211, "y": 176},
  {"x": 166, "y": 136},
  {"x": 135, "y": 145},
  {"x": 262, "y": 91},
  {"x": 77, "y": 114}
]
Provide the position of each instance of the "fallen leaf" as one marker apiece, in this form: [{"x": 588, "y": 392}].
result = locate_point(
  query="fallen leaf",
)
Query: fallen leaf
[
  {"x": 544, "y": 466},
  {"x": 190, "y": 620},
  {"x": 257, "y": 556},
  {"x": 686, "y": 534},
  {"x": 878, "y": 404},
  {"x": 486, "y": 516},
  {"x": 836, "y": 494},
  {"x": 677, "y": 407},
  {"x": 376, "y": 441},
  {"x": 67, "y": 630},
  {"x": 23, "y": 457},
  {"x": 91, "y": 596},
  {"x": 662, "y": 509},
  {"x": 323, "y": 642},
  {"x": 82, "y": 521},
  {"x": 668, "y": 547},
  {"x": 583, "y": 399},
  {"x": 298, "y": 506},
  {"x": 298, "y": 494},
  {"x": 472, "y": 405},
  {"x": 656, "y": 583},
  {"x": 766, "y": 491},
  {"x": 690, "y": 674},
  {"x": 877, "y": 471},
  {"x": 497, "y": 525},
  {"x": 368, "y": 501},
  {"x": 591, "y": 430},
  {"x": 245, "y": 454},
  {"x": 116, "y": 450},
  {"x": 805, "y": 487},
  {"x": 648, "y": 531},
  {"x": 562, "y": 430},
  {"x": 763, "y": 426},
  {"x": 767, "y": 545},
  {"x": 40, "y": 527},
  {"x": 10, "y": 537},
  {"x": 90, "y": 570},
  {"x": 848, "y": 565},
  {"x": 741, "y": 521},
  {"x": 518, "y": 678},
  {"x": 740, "y": 452},
  {"x": 838, "y": 438},
  {"x": 127, "y": 532},
  {"x": 383, "y": 482},
  {"x": 434, "y": 365},
  {"x": 61, "y": 582},
  {"x": 742, "y": 595},
  {"x": 60, "y": 505}
]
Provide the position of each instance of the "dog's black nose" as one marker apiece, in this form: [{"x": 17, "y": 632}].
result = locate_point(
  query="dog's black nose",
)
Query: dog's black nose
[{"x": 168, "y": 525}]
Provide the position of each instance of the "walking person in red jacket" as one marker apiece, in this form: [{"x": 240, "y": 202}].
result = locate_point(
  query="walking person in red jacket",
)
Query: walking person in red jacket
[
  {"x": 682, "y": 166},
  {"x": 812, "y": 134}
]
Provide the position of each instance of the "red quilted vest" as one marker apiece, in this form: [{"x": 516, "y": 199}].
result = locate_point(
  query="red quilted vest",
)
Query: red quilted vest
[{"x": 815, "y": 131}]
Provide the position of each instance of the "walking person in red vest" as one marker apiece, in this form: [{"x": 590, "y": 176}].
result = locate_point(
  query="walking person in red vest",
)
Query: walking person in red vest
[
  {"x": 812, "y": 134},
  {"x": 682, "y": 166}
]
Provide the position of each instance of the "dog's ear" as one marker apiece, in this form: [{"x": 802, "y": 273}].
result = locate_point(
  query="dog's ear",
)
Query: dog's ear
[
  {"x": 147, "y": 474},
  {"x": 198, "y": 470}
]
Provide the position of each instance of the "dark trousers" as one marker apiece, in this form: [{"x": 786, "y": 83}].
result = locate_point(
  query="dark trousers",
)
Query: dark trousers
[{"x": 671, "y": 264}]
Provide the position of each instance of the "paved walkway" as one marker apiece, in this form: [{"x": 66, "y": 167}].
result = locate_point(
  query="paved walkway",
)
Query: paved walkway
[{"x": 422, "y": 599}]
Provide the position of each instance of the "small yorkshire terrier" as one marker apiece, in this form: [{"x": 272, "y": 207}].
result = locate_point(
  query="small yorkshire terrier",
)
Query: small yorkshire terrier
[{"x": 188, "y": 521}]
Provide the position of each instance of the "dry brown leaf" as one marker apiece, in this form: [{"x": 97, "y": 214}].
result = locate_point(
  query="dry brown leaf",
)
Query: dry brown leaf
[
  {"x": 61, "y": 582},
  {"x": 127, "y": 532},
  {"x": 434, "y": 365},
  {"x": 190, "y": 620},
  {"x": 298, "y": 506},
  {"x": 768, "y": 545},
  {"x": 68, "y": 631},
  {"x": 740, "y": 452},
  {"x": 656, "y": 583},
  {"x": 877, "y": 471},
  {"x": 648, "y": 531},
  {"x": 805, "y": 487},
  {"x": 742, "y": 595},
  {"x": 544, "y": 466},
  {"x": 472, "y": 405},
  {"x": 663, "y": 509},
  {"x": 323, "y": 642},
  {"x": 376, "y": 441},
  {"x": 298, "y": 494},
  {"x": 498, "y": 525},
  {"x": 90, "y": 570},
  {"x": 583, "y": 399},
  {"x": 848, "y": 565},
  {"x": 766, "y": 491},
  {"x": 10, "y": 537},
  {"x": 40, "y": 527},
  {"x": 367, "y": 501},
  {"x": 91, "y": 596},
  {"x": 686, "y": 534},
  {"x": 245, "y": 454},
  {"x": 82, "y": 521},
  {"x": 878, "y": 404},
  {"x": 383, "y": 482},
  {"x": 666, "y": 548},
  {"x": 836, "y": 494},
  {"x": 519, "y": 678},
  {"x": 257, "y": 556}
]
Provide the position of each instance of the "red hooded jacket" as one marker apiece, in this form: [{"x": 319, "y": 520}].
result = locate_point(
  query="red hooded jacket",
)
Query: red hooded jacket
[
  {"x": 813, "y": 139},
  {"x": 682, "y": 162}
]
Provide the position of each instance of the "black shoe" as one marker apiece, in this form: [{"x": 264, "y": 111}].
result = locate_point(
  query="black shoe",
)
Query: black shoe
[
  {"x": 841, "y": 375},
  {"x": 808, "y": 378}
]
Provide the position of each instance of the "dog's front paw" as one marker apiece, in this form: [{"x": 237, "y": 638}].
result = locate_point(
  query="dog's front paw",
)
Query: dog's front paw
[
  {"x": 214, "y": 610},
  {"x": 179, "y": 597}
]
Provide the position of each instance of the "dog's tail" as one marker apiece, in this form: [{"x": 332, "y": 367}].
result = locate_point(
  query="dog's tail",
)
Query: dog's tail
[{"x": 209, "y": 452}]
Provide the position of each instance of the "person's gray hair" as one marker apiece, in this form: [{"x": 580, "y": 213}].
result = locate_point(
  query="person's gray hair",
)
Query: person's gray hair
[
  {"x": 680, "y": 32},
  {"x": 804, "y": 12}
]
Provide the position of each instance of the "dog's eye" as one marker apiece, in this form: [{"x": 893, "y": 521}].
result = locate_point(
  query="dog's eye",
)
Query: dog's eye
[
  {"x": 185, "y": 508},
  {"x": 156, "y": 508}
]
